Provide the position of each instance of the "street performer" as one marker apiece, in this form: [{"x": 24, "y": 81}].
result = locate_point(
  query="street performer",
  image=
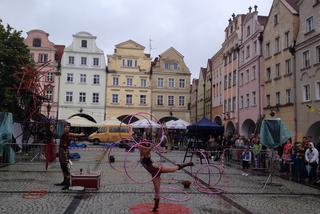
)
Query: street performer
[
  {"x": 145, "y": 159},
  {"x": 65, "y": 139}
]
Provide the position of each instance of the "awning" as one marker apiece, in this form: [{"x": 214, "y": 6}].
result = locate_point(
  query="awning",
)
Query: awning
[{"x": 77, "y": 121}]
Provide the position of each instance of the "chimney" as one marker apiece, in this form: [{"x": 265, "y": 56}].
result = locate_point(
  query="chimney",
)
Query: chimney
[
  {"x": 255, "y": 8},
  {"x": 233, "y": 15},
  {"x": 250, "y": 8}
]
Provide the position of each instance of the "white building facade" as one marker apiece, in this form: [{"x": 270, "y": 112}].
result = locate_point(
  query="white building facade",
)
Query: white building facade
[{"x": 83, "y": 79}]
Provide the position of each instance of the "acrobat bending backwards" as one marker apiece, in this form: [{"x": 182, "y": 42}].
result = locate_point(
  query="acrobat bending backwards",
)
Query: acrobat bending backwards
[{"x": 155, "y": 171}]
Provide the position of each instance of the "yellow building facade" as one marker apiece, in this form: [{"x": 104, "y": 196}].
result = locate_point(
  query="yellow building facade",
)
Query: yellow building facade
[
  {"x": 278, "y": 77},
  {"x": 128, "y": 81},
  {"x": 170, "y": 86}
]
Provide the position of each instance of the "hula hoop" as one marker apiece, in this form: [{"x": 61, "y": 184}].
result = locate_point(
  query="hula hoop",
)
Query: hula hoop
[
  {"x": 187, "y": 197},
  {"x": 129, "y": 176}
]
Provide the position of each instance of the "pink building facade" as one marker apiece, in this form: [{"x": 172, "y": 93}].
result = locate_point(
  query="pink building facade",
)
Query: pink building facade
[
  {"x": 250, "y": 71},
  {"x": 42, "y": 50}
]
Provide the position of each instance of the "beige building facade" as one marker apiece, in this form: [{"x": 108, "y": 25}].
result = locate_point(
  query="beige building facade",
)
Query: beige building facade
[
  {"x": 280, "y": 34},
  {"x": 193, "y": 101},
  {"x": 308, "y": 70},
  {"x": 217, "y": 87},
  {"x": 128, "y": 81},
  {"x": 201, "y": 94},
  {"x": 170, "y": 87},
  {"x": 208, "y": 91}
]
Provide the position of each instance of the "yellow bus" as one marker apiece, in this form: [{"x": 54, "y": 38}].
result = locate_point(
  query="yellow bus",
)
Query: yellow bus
[{"x": 110, "y": 134}]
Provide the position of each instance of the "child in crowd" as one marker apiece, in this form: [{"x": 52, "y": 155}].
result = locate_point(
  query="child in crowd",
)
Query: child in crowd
[{"x": 246, "y": 160}]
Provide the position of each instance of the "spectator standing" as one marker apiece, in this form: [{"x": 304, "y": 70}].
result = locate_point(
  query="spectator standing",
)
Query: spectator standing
[
  {"x": 246, "y": 160},
  {"x": 312, "y": 161}
]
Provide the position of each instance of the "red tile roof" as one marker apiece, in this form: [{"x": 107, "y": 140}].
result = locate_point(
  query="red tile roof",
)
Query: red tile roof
[
  {"x": 293, "y": 4},
  {"x": 59, "y": 52},
  {"x": 263, "y": 20}
]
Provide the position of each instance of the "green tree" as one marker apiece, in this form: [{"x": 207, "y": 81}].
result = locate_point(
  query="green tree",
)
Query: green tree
[{"x": 14, "y": 54}]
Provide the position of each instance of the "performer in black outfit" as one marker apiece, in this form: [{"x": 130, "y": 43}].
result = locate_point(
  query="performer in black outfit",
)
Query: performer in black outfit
[{"x": 145, "y": 159}]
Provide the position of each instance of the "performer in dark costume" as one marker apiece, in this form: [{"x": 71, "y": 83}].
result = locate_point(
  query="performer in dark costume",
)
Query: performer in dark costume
[
  {"x": 145, "y": 159},
  {"x": 64, "y": 155}
]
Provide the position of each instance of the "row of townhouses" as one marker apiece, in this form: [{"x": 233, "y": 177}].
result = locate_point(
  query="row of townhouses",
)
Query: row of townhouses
[
  {"x": 268, "y": 66},
  {"x": 77, "y": 80}
]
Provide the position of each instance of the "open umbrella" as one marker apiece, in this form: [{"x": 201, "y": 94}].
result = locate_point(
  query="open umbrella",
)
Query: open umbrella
[{"x": 144, "y": 123}]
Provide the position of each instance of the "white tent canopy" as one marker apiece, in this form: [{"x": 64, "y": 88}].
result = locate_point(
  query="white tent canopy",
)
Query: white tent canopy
[
  {"x": 113, "y": 121},
  {"x": 77, "y": 121},
  {"x": 177, "y": 124},
  {"x": 145, "y": 124}
]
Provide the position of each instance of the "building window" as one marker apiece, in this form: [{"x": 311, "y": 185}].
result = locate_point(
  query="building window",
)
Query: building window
[
  {"x": 242, "y": 56},
  {"x": 253, "y": 73},
  {"x": 82, "y": 97},
  {"x": 318, "y": 54},
  {"x": 318, "y": 90},
  {"x": 229, "y": 80},
  {"x": 96, "y": 79},
  {"x": 248, "y": 31},
  {"x": 166, "y": 66},
  {"x": 175, "y": 66},
  {"x": 181, "y": 83},
  {"x": 230, "y": 57},
  {"x": 234, "y": 55},
  {"x": 268, "y": 100},
  {"x": 275, "y": 19},
  {"x": 241, "y": 102},
  {"x": 241, "y": 79},
  {"x": 229, "y": 105},
  {"x": 143, "y": 83},
  {"x": 129, "y": 81},
  {"x": 306, "y": 59},
  {"x": 287, "y": 39},
  {"x": 277, "y": 70},
  {"x": 171, "y": 83},
  {"x": 83, "y": 78},
  {"x": 225, "y": 82},
  {"x": 248, "y": 51},
  {"x": 288, "y": 66},
  {"x": 69, "y": 96},
  {"x": 278, "y": 98},
  {"x": 95, "y": 97},
  {"x": 83, "y": 43},
  {"x": 268, "y": 73},
  {"x": 254, "y": 99},
  {"x": 159, "y": 100},
  {"x": 69, "y": 78},
  {"x": 225, "y": 106},
  {"x": 83, "y": 60},
  {"x": 233, "y": 104},
  {"x": 129, "y": 63},
  {"x": 96, "y": 61},
  {"x": 247, "y": 76},
  {"x": 309, "y": 24},
  {"x": 277, "y": 45},
  {"x": 268, "y": 51},
  {"x": 129, "y": 99},
  {"x": 234, "y": 79},
  {"x": 288, "y": 95},
  {"x": 71, "y": 60},
  {"x": 49, "y": 77},
  {"x": 36, "y": 42},
  {"x": 143, "y": 99},
  {"x": 255, "y": 47},
  {"x": 160, "y": 82},
  {"x": 43, "y": 58},
  {"x": 306, "y": 93},
  {"x": 181, "y": 100},
  {"x": 248, "y": 100},
  {"x": 170, "y": 100},
  {"x": 49, "y": 94},
  {"x": 115, "y": 81},
  {"x": 115, "y": 98},
  {"x": 225, "y": 58}
]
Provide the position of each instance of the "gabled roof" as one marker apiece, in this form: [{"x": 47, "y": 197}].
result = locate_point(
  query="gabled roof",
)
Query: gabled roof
[
  {"x": 130, "y": 42},
  {"x": 172, "y": 49},
  {"x": 38, "y": 31},
  {"x": 203, "y": 71},
  {"x": 262, "y": 20}
]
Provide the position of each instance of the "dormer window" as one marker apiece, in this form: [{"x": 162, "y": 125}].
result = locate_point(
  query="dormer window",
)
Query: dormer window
[
  {"x": 248, "y": 31},
  {"x": 36, "y": 42},
  {"x": 83, "y": 43}
]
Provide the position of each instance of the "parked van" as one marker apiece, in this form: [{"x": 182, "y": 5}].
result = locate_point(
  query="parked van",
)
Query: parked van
[{"x": 110, "y": 134}]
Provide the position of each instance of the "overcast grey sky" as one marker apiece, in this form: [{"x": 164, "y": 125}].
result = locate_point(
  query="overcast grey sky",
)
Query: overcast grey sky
[{"x": 194, "y": 28}]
